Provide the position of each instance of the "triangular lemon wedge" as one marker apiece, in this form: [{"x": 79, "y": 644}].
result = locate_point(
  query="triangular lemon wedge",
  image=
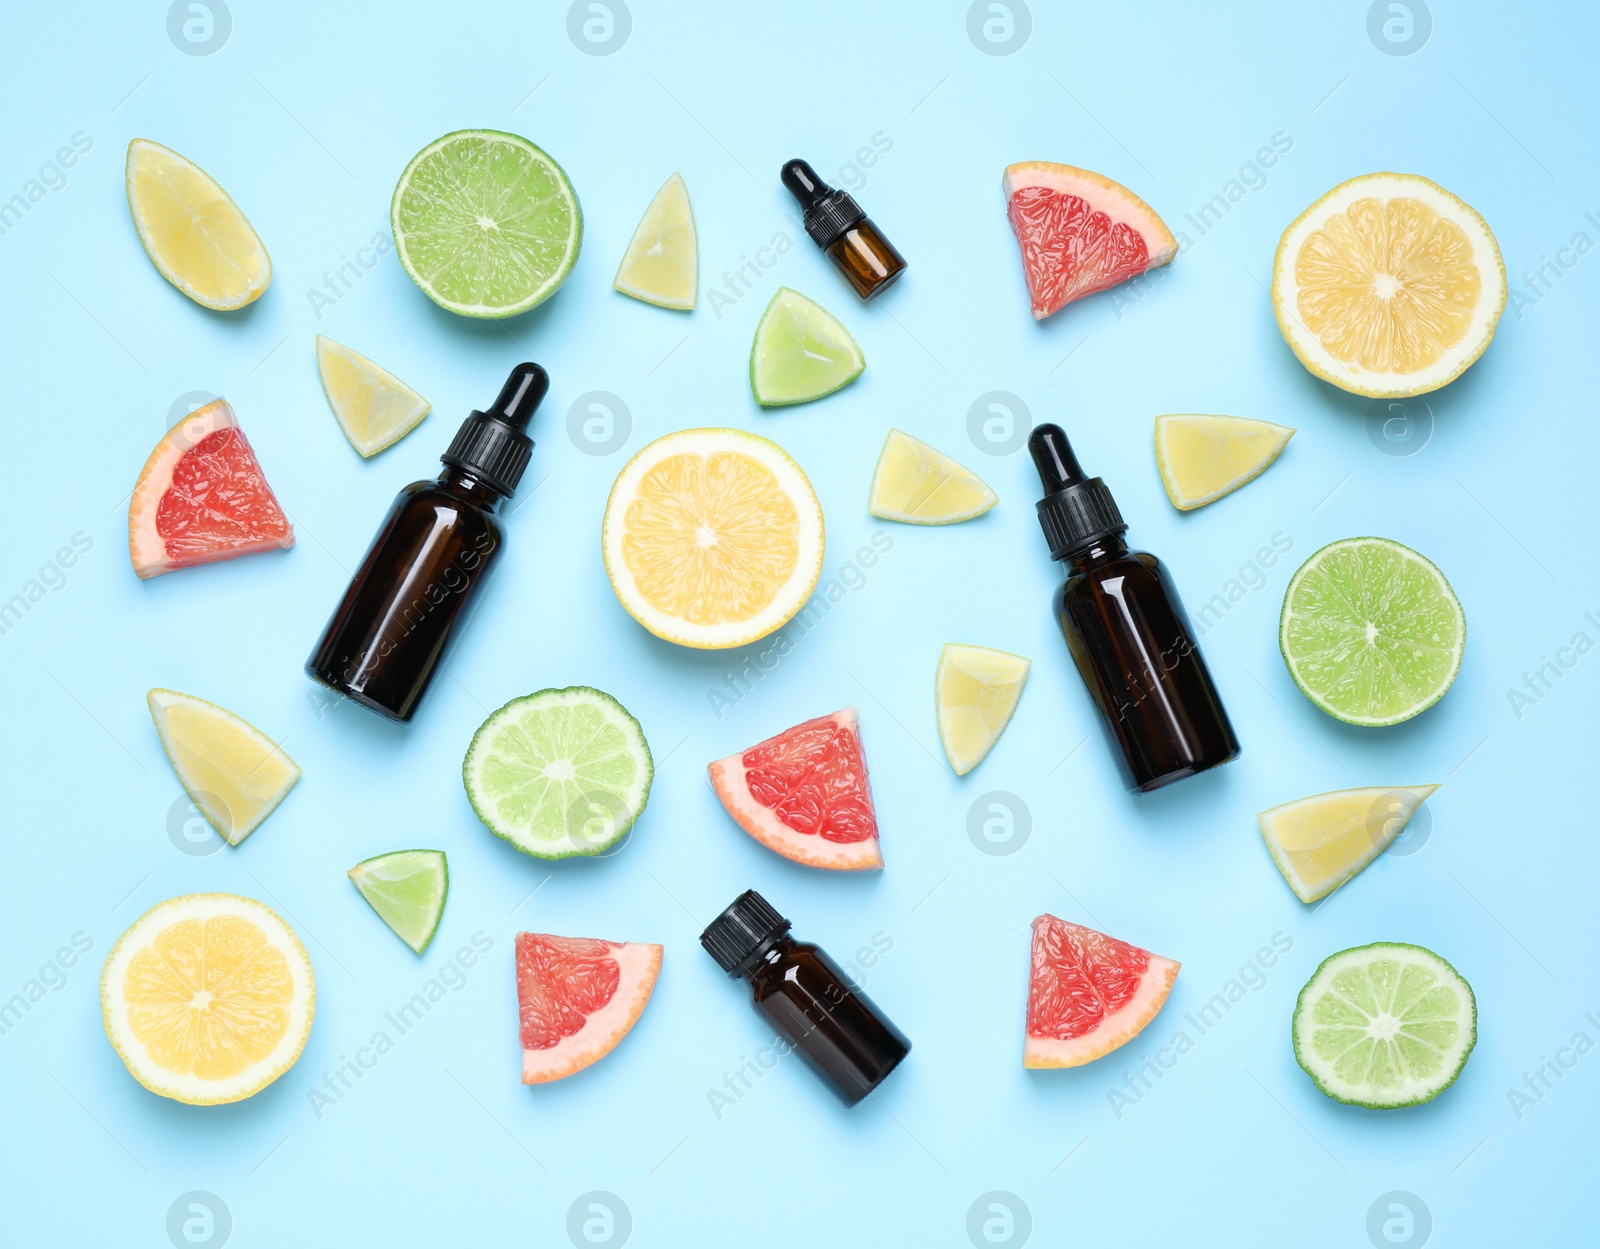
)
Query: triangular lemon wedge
[
  {"x": 1322, "y": 841},
  {"x": 374, "y": 407},
  {"x": 915, "y": 484},
  {"x": 1202, "y": 458},
  {"x": 662, "y": 263},
  {"x": 975, "y": 692}
]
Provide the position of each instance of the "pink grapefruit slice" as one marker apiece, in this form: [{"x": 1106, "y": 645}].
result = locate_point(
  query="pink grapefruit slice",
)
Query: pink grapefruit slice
[
  {"x": 577, "y": 997},
  {"x": 1080, "y": 232},
  {"x": 1089, "y": 993},
  {"x": 201, "y": 497},
  {"x": 804, "y": 793}
]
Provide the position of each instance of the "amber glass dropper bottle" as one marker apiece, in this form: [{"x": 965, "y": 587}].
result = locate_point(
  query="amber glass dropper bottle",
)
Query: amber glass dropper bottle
[
  {"x": 1127, "y": 630},
  {"x": 387, "y": 636},
  {"x": 847, "y": 236}
]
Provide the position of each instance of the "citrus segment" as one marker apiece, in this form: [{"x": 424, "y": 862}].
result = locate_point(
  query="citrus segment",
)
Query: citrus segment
[
  {"x": 915, "y": 484},
  {"x": 373, "y": 406},
  {"x": 712, "y": 537},
  {"x": 975, "y": 692},
  {"x": 662, "y": 263},
  {"x": 1088, "y": 993},
  {"x": 1322, "y": 841},
  {"x": 1080, "y": 232},
  {"x": 407, "y": 889},
  {"x": 208, "y": 998},
  {"x": 233, "y": 772},
  {"x": 192, "y": 231},
  {"x": 804, "y": 793},
  {"x": 1202, "y": 458},
  {"x": 801, "y": 352},
  {"x": 577, "y": 998},
  {"x": 1388, "y": 285}
]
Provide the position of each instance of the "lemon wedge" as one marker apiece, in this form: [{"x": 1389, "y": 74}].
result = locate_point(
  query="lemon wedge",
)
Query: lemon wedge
[
  {"x": 915, "y": 484},
  {"x": 192, "y": 231},
  {"x": 233, "y": 771},
  {"x": 974, "y": 693},
  {"x": 712, "y": 537},
  {"x": 662, "y": 263},
  {"x": 1202, "y": 458},
  {"x": 208, "y": 998},
  {"x": 1322, "y": 841},
  {"x": 374, "y": 407},
  {"x": 1388, "y": 286}
]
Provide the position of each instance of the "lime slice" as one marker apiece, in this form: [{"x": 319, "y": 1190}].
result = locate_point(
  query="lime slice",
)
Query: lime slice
[
  {"x": 559, "y": 772},
  {"x": 801, "y": 352},
  {"x": 192, "y": 230},
  {"x": 1371, "y": 631},
  {"x": 1322, "y": 841},
  {"x": 374, "y": 407},
  {"x": 1202, "y": 458},
  {"x": 662, "y": 263},
  {"x": 407, "y": 889},
  {"x": 974, "y": 692},
  {"x": 1384, "y": 1025},
  {"x": 486, "y": 223},
  {"x": 235, "y": 774},
  {"x": 915, "y": 484}
]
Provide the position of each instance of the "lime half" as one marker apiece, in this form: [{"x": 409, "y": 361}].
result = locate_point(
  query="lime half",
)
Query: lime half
[
  {"x": 559, "y": 773},
  {"x": 801, "y": 352},
  {"x": 1385, "y": 1025},
  {"x": 486, "y": 223},
  {"x": 407, "y": 889},
  {"x": 1371, "y": 631}
]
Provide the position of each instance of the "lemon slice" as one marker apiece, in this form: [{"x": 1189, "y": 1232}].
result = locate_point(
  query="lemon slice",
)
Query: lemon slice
[
  {"x": 1388, "y": 286},
  {"x": 662, "y": 263},
  {"x": 208, "y": 998},
  {"x": 233, "y": 771},
  {"x": 192, "y": 231},
  {"x": 1202, "y": 458},
  {"x": 920, "y": 486},
  {"x": 974, "y": 693},
  {"x": 1322, "y": 841},
  {"x": 712, "y": 537},
  {"x": 374, "y": 407}
]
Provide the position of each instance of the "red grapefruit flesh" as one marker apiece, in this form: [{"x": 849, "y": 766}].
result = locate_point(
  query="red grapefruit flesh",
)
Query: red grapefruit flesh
[
  {"x": 1080, "y": 232},
  {"x": 577, "y": 997},
  {"x": 1089, "y": 993},
  {"x": 201, "y": 498},
  {"x": 804, "y": 793}
]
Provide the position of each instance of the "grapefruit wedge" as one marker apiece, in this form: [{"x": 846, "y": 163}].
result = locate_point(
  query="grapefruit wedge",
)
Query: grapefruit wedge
[
  {"x": 804, "y": 793},
  {"x": 201, "y": 497},
  {"x": 1080, "y": 232},
  {"x": 577, "y": 998},
  {"x": 1089, "y": 993}
]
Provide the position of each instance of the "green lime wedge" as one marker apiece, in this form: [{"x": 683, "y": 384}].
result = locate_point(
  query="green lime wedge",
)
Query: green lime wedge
[
  {"x": 1385, "y": 1025},
  {"x": 486, "y": 223},
  {"x": 1371, "y": 631},
  {"x": 559, "y": 773},
  {"x": 801, "y": 352},
  {"x": 407, "y": 889}
]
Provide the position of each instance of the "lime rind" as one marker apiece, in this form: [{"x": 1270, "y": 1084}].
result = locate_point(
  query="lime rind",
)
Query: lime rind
[
  {"x": 560, "y": 772},
  {"x": 801, "y": 352},
  {"x": 429, "y": 246},
  {"x": 407, "y": 889},
  {"x": 1346, "y": 1022},
  {"x": 1336, "y": 666}
]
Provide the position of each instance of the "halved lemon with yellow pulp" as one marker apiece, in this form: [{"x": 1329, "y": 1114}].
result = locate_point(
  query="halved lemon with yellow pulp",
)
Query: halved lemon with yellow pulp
[
  {"x": 1388, "y": 286},
  {"x": 208, "y": 998},
  {"x": 712, "y": 537}
]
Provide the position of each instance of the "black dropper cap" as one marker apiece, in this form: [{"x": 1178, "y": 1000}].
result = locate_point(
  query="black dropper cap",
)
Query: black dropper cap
[
  {"x": 742, "y": 933},
  {"x": 828, "y": 213},
  {"x": 1075, "y": 511},
  {"x": 491, "y": 445}
]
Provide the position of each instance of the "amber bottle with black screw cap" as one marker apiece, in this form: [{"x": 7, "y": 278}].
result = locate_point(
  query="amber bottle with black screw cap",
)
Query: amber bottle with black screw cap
[
  {"x": 432, "y": 553},
  {"x": 1127, "y": 630},
  {"x": 837, "y": 224},
  {"x": 807, "y": 998}
]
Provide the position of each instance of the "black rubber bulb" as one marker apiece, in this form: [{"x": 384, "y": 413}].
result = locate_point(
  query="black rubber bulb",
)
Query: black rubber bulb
[
  {"x": 1053, "y": 457},
  {"x": 804, "y": 184},
  {"x": 522, "y": 393}
]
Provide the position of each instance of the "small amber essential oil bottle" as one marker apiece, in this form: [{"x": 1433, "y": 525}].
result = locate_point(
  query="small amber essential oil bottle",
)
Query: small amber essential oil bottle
[
  {"x": 807, "y": 998},
  {"x": 432, "y": 553},
  {"x": 837, "y": 224},
  {"x": 1127, "y": 630}
]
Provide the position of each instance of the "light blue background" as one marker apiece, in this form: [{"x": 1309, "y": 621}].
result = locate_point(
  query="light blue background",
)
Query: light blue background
[{"x": 307, "y": 116}]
